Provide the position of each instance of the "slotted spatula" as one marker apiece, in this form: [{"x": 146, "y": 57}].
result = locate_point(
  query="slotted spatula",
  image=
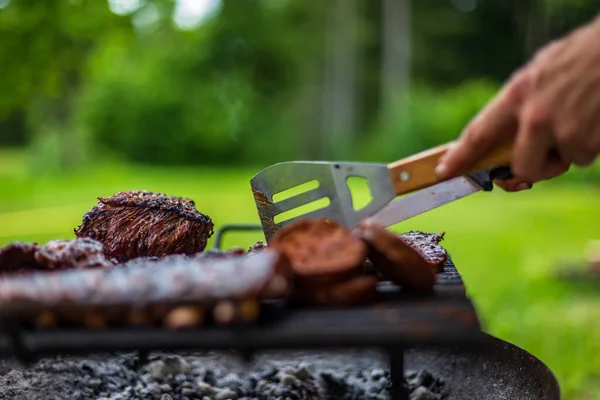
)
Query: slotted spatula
[{"x": 385, "y": 182}]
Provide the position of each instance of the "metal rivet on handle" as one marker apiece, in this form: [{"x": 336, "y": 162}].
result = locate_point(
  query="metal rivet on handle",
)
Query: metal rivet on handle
[{"x": 404, "y": 176}]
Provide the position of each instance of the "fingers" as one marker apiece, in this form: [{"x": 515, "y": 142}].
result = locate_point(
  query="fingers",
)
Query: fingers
[
  {"x": 497, "y": 122},
  {"x": 555, "y": 166},
  {"x": 514, "y": 184},
  {"x": 533, "y": 143}
]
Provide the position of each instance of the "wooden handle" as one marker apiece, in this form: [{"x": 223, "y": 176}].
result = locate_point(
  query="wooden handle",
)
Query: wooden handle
[{"x": 418, "y": 171}]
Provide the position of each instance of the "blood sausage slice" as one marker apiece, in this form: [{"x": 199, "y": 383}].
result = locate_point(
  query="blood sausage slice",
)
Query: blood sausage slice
[
  {"x": 320, "y": 250},
  {"x": 354, "y": 291},
  {"x": 394, "y": 259}
]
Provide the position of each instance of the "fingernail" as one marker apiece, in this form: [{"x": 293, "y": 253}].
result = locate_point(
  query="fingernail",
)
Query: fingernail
[
  {"x": 441, "y": 171},
  {"x": 524, "y": 186}
]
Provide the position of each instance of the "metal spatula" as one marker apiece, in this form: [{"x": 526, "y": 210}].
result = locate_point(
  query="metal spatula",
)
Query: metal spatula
[{"x": 385, "y": 183}]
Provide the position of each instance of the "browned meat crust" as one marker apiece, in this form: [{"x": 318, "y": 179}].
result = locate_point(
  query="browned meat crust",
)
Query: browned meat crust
[
  {"x": 396, "y": 260},
  {"x": 320, "y": 250},
  {"x": 56, "y": 254},
  {"x": 145, "y": 224},
  {"x": 147, "y": 291},
  {"x": 428, "y": 245}
]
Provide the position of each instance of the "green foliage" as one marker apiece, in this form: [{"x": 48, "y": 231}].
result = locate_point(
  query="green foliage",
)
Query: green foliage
[{"x": 427, "y": 118}]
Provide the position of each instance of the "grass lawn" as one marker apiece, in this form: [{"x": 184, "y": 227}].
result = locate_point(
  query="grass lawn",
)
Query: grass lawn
[{"x": 506, "y": 246}]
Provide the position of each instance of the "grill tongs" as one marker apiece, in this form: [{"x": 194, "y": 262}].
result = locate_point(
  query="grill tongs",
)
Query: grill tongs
[{"x": 385, "y": 182}]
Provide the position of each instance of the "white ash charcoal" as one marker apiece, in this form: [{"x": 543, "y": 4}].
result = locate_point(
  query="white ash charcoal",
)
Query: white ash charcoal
[
  {"x": 422, "y": 393},
  {"x": 207, "y": 376},
  {"x": 159, "y": 370}
]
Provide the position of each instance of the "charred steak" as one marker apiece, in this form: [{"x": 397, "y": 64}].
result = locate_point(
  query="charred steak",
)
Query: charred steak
[
  {"x": 428, "y": 245},
  {"x": 146, "y": 224}
]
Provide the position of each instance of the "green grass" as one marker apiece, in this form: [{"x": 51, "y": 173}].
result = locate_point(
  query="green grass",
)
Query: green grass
[{"x": 507, "y": 247}]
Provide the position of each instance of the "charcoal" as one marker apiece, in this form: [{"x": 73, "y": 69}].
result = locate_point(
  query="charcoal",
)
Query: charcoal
[
  {"x": 422, "y": 393},
  {"x": 201, "y": 377}
]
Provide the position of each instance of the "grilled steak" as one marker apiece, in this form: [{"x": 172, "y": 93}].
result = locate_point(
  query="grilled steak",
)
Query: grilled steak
[
  {"x": 395, "y": 259},
  {"x": 56, "y": 254},
  {"x": 320, "y": 250},
  {"x": 428, "y": 245},
  {"x": 145, "y": 224},
  {"x": 143, "y": 292}
]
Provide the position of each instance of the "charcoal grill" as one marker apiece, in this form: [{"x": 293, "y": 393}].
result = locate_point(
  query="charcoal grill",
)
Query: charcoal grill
[{"x": 438, "y": 330}]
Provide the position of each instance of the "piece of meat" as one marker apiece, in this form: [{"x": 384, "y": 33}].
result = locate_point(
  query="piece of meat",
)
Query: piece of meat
[
  {"x": 18, "y": 258},
  {"x": 394, "y": 259},
  {"x": 320, "y": 250},
  {"x": 56, "y": 254},
  {"x": 428, "y": 245},
  {"x": 78, "y": 253},
  {"x": 354, "y": 291},
  {"x": 256, "y": 247},
  {"x": 97, "y": 297},
  {"x": 145, "y": 224}
]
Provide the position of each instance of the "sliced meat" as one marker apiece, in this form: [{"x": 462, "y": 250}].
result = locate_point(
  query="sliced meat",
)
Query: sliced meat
[
  {"x": 151, "y": 290},
  {"x": 78, "y": 253},
  {"x": 145, "y": 224},
  {"x": 18, "y": 257},
  {"x": 354, "y": 291},
  {"x": 394, "y": 259},
  {"x": 428, "y": 245},
  {"x": 320, "y": 250}
]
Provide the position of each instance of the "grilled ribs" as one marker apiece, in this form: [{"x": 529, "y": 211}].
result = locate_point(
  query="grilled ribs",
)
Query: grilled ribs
[
  {"x": 56, "y": 254},
  {"x": 146, "y": 224},
  {"x": 149, "y": 289}
]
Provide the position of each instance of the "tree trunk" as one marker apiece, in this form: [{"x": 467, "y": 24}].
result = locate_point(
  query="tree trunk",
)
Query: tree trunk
[
  {"x": 339, "y": 89},
  {"x": 395, "y": 68},
  {"x": 534, "y": 24}
]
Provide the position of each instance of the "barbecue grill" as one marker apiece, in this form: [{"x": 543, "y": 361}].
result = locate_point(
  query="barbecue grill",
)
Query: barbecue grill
[{"x": 440, "y": 332}]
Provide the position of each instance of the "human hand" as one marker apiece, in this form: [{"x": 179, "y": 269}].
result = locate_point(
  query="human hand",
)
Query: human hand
[{"x": 549, "y": 109}]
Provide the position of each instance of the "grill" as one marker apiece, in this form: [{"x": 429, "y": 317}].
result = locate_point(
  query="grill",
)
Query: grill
[{"x": 436, "y": 331}]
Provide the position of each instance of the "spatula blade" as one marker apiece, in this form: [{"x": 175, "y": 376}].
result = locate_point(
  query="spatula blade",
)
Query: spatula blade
[{"x": 332, "y": 184}]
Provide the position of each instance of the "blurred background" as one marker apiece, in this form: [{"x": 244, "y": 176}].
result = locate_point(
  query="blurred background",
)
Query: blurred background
[{"x": 193, "y": 97}]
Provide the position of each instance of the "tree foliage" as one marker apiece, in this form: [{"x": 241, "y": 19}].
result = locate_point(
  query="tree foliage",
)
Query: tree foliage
[{"x": 250, "y": 84}]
